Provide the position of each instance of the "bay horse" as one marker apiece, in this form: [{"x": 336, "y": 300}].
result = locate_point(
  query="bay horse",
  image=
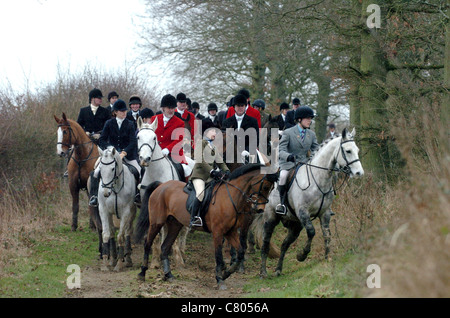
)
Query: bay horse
[
  {"x": 232, "y": 208},
  {"x": 157, "y": 168},
  {"x": 310, "y": 196},
  {"x": 82, "y": 153},
  {"x": 116, "y": 197}
]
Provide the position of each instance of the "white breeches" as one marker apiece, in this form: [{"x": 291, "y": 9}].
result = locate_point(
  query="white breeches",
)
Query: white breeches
[
  {"x": 199, "y": 186},
  {"x": 283, "y": 177}
]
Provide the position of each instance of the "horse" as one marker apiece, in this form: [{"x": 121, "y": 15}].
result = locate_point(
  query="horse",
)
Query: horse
[
  {"x": 74, "y": 144},
  {"x": 116, "y": 197},
  {"x": 310, "y": 196},
  {"x": 157, "y": 168},
  {"x": 233, "y": 205}
]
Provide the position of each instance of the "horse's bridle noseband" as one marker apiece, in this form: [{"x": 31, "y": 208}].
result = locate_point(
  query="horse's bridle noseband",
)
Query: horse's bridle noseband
[
  {"x": 346, "y": 169},
  {"x": 110, "y": 185},
  {"x": 150, "y": 146}
]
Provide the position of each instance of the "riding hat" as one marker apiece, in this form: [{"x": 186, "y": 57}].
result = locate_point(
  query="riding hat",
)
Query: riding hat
[
  {"x": 146, "y": 113},
  {"x": 284, "y": 106},
  {"x": 244, "y": 92},
  {"x": 259, "y": 103},
  {"x": 296, "y": 101},
  {"x": 195, "y": 105},
  {"x": 303, "y": 112},
  {"x": 95, "y": 93},
  {"x": 120, "y": 105},
  {"x": 212, "y": 106},
  {"x": 135, "y": 100},
  {"x": 240, "y": 99},
  {"x": 112, "y": 94},
  {"x": 181, "y": 97},
  {"x": 169, "y": 101}
]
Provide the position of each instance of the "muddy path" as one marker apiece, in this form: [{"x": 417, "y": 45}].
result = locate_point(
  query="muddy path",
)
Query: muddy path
[{"x": 195, "y": 280}]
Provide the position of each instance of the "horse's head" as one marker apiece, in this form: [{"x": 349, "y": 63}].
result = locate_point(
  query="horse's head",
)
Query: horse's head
[
  {"x": 348, "y": 157},
  {"x": 65, "y": 136},
  {"x": 147, "y": 141},
  {"x": 110, "y": 169}
]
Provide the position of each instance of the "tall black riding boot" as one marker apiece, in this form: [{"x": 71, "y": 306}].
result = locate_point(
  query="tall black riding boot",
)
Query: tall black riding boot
[
  {"x": 93, "y": 191},
  {"x": 196, "y": 220},
  {"x": 281, "y": 208}
]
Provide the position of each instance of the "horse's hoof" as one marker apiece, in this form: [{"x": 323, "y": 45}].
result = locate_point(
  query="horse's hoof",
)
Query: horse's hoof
[
  {"x": 221, "y": 286},
  {"x": 104, "y": 268},
  {"x": 301, "y": 257},
  {"x": 141, "y": 277},
  {"x": 263, "y": 274},
  {"x": 278, "y": 273},
  {"x": 169, "y": 277}
]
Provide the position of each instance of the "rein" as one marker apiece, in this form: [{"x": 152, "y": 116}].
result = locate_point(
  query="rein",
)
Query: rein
[
  {"x": 346, "y": 169},
  {"x": 110, "y": 185}
]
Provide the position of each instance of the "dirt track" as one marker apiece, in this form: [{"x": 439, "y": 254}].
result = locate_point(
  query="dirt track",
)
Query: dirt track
[{"x": 196, "y": 279}]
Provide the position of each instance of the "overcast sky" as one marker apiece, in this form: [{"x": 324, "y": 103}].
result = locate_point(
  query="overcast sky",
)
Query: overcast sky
[{"x": 36, "y": 35}]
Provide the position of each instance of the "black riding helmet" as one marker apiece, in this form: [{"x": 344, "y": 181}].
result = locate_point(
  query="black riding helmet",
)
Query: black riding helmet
[{"x": 303, "y": 112}]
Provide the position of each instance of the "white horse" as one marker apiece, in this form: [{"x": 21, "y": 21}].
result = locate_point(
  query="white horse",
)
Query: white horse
[
  {"x": 157, "y": 168},
  {"x": 116, "y": 197},
  {"x": 310, "y": 195}
]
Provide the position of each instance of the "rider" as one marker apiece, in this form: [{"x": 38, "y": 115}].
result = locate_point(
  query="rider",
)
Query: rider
[
  {"x": 167, "y": 123},
  {"x": 118, "y": 132},
  {"x": 92, "y": 118},
  {"x": 207, "y": 169},
  {"x": 294, "y": 147}
]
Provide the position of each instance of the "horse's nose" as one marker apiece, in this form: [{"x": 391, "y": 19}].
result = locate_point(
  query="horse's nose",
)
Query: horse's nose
[{"x": 147, "y": 160}]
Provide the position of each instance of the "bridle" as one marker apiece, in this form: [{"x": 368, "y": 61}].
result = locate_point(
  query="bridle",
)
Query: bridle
[
  {"x": 111, "y": 184},
  {"x": 70, "y": 138},
  {"x": 150, "y": 146}
]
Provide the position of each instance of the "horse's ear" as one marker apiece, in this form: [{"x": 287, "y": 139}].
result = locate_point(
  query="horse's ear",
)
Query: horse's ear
[
  {"x": 344, "y": 133},
  {"x": 100, "y": 151},
  {"x": 139, "y": 122},
  {"x": 353, "y": 132},
  {"x": 64, "y": 116},
  {"x": 56, "y": 118},
  {"x": 113, "y": 151},
  {"x": 154, "y": 125}
]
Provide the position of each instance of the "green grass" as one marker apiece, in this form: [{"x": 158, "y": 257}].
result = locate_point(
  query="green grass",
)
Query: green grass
[
  {"x": 341, "y": 277},
  {"x": 44, "y": 273}
]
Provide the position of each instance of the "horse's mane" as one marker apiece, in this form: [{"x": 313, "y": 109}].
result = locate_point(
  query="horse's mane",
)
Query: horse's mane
[
  {"x": 249, "y": 168},
  {"x": 322, "y": 146},
  {"x": 244, "y": 169}
]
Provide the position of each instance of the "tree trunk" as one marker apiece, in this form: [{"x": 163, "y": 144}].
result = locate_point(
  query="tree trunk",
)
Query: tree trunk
[
  {"x": 372, "y": 97},
  {"x": 323, "y": 82}
]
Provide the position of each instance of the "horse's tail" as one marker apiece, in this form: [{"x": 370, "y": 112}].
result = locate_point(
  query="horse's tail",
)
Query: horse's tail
[
  {"x": 257, "y": 227},
  {"x": 143, "y": 222}
]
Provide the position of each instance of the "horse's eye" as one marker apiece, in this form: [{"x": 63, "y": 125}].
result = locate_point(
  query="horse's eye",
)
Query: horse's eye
[
  {"x": 137, "y": 137},
  {"x": 348, "y": 151},
  {"x": 64, "y": 132},
  {"x": 154, "y": 138}
]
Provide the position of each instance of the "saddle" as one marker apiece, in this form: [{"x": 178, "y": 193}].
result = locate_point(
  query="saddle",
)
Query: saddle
[
  {"x": 178, "y": 168},
  {"x": 134, "y": 171},
  {"x": 190, "y": 190}
]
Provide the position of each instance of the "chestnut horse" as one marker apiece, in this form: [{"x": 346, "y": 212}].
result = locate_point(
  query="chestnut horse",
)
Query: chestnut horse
[
  {"x": 82, "y": 152},
  {"x": 232, "y": 208}
]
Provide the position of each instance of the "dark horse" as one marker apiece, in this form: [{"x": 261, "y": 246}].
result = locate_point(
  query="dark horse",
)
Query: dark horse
[
  {"x": 73, "y": 143},
  {"x": 232, "y": 208}
]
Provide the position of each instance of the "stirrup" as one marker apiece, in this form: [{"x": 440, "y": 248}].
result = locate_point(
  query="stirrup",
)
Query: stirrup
[
  {"x": 66, "y": 174},
  {"x": 281, "y": 209},
  {"x": 93, "y": 202},
  {"x": 197, "y": 221}
]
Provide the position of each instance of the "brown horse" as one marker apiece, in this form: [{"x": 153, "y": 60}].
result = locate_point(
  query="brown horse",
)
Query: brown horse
[
  {"x": 232, "y": 208},
  {"x": 74, "y": 144}
]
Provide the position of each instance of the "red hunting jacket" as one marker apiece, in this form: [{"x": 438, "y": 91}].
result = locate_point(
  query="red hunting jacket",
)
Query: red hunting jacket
[
  {"x": 164, "y": 136},
  {"x": 189, "y": 121}
]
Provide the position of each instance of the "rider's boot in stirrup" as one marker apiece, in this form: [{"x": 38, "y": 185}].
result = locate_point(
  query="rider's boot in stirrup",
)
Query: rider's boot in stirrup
[
  {"x": 93, "y": 201},
  {"x": 281, "y": 208},
  {"x": 196, "y": 220}
]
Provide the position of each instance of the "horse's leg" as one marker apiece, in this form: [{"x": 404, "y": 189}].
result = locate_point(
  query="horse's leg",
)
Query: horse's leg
[
  {"x": 325, "y": 224},
  {"x": 173, "y": 228},
  {"x": 152, "y": 233},
  {"x": 128, "y": 233},
  {"x": 95, "y": 216},
  {"x": 156, "y": 251},
  {"x": 106, "y": 235},
  {"x": 180, "y": 246},
  {"x": 74, "y": 191},
  {"x": 294, "y": 229},
  {"x": 251, "y": 243},
  {"x": 233, "y": 239},
  {"x": 269, "y": 227},
  {"x": 220, "y": 264},
  {"x": 307, "y": 224}
]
